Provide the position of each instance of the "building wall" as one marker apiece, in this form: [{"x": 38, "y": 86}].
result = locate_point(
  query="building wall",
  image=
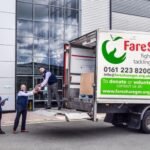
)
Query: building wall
[
  {"x": 95, "y": 14},
  {"x": 7, "y": 52},
  {"x": 133, "y": 15}
]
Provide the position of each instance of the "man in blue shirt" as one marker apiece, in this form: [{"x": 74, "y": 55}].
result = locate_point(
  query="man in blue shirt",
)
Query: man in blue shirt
[
  {"x": 22, "y": 103},
  {"x": 51, "y": 81}
]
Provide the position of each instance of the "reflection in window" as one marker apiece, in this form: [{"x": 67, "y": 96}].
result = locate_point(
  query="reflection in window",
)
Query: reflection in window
[
  {"x": 24, "y": 46},
  {"x": 41, "y": 29},
  {"x": 71, "y": 32},
  {"x": 57, "y": 2},
  {"x": 56, "y": 57},
  {"x": 24, "y": 11},
  {"x": 26, "y": 59},
  {"x": 24, "y": 56},
  {"x": 72, "y": 17},
  {"x": 57, "y": 31},
  {"x": 30, "y": 1},
  {"x": 41, "y": 13},
  {"x": 56, "y": 15},
  {"x": 55, "y": 67},
  {"x": 41, "y": 2},
  {"x": 24, "y": 65},
  {"x": 25, "y": 80},
  {"x": 40, "y": 61},
  {"x": 25, "y": 28},
  {"x": 56, "y": 44},
  {"x": 72, "y": 4},
  {"x": 40, "y": 48}
]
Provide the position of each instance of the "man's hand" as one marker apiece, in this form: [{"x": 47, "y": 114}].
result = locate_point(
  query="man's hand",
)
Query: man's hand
[
  {"x": 3, "y": 102},
  {"x": 37, "y": 88},
  {"x": 35, "y": 91}
]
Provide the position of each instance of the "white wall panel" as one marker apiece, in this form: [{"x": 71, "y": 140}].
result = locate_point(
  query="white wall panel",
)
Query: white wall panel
[
  {"x": 7, "y": 53},
  {"x": 7, "y": 86},
  {"x": 95, "y": 14},
  {"x": 130, "y": 22},
  {"x": 8, "y": 6},
  {"x": 7, "y": 69},
  {"x": 7, "y": 90},
  {"x": 7, "y": 20},
  {"x": 10, "y": 104},
  {"x": 7, "y": 37}
]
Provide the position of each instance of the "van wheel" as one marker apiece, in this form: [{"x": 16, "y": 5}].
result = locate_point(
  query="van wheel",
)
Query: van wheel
[{"x": 145, "y": 125}]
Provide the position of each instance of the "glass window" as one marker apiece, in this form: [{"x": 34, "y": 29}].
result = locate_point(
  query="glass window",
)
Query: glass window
[
  {"x": 43, "y": 94},
  {"x": 41, "y": 29},
  {"x": 56, "y": 57},
  {"x": 56, "y": 44},
  {"x": 40, "y": 48},
  {"x": 41, "y": 2},
  {"x": 56, "y": 68},
  {"x": 71, "y": 32},
  {"x": 40, "y": 61},
  {"x": 24, "y": 65},
  {"x": 72, "y": 4},
  {"x": 25, "y": 28},
  {"x": 57, "y": 31},
  {"x": 24, "y": 56},
  {"x": 24, "y": 46},
  {"x": 72, "y": 17},
  {"x": 57, "y": 2},
  {"x": 30, "y": 1},
  {"x": 40, "y": 13},
  {"x": 24, "y": 11},
  {"x": 28, "y": 81},
  {"x": 56, "y": 15}
]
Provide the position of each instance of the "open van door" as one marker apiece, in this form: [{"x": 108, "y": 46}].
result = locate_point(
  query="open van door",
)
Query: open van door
[{"x": 79, "y": 73}]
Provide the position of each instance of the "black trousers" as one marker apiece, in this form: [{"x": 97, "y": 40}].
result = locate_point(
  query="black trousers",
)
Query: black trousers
[{"x": 20, "y": 112}]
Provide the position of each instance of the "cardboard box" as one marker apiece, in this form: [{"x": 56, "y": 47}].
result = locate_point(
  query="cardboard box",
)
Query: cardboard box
[{"x": 86, "y": 83}]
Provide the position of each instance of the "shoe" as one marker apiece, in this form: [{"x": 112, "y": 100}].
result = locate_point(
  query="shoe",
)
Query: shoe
[
  {"x": 15, "y": 132},
  {"x": 24, "y": 131},
  {"x": 48, "y": 107},
  {"x": 2, "y": 132}
]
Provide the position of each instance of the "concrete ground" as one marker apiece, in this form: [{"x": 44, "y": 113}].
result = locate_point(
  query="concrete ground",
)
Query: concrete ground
[
  {"x": 43, "y": 116},
  {"x": 84, "y": 135}
]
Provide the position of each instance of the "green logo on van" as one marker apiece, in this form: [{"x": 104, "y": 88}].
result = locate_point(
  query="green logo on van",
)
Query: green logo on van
[{"x": 110, "y": 57}]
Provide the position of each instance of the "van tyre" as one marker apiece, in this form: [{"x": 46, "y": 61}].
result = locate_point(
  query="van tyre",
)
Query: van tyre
[{"x": 145, "y": 125}]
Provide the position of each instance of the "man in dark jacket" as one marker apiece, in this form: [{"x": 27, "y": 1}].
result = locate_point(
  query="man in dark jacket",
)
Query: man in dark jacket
[
  {"x": 22, "y": 103},
  {"x": 51, "y": 81},
  {"x": 1, "y": 104}
]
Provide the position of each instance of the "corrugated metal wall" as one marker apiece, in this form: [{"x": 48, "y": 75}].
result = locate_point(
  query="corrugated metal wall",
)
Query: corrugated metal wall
[
  {"x": 131, "y": 15},
  {"x": 94, "y": 14}
]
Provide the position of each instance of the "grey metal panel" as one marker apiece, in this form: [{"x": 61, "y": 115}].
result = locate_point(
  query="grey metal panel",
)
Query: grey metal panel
[
  {"x": 132, "y": 7},
  {"x": 130, "y": 22},
  {"x": 95, "y": 14}
]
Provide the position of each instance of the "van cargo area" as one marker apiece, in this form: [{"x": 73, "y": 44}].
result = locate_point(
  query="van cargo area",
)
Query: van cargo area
[
  {"x": 101, "y": 75},
  {"x": 81, "y": 74}
]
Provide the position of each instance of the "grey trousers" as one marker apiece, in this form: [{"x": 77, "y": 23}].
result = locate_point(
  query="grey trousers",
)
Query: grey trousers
[{"x": 53, "y": 91}]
